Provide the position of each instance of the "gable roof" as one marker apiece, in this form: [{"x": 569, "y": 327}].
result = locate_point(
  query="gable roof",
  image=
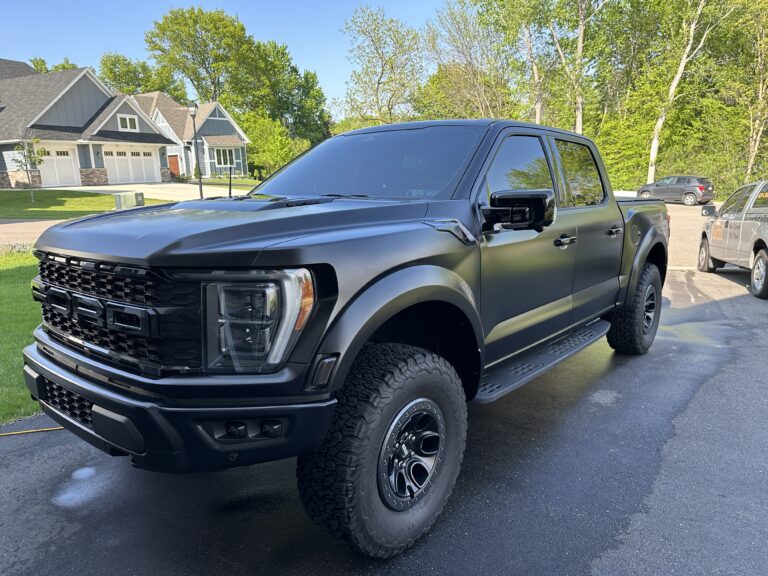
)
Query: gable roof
[
  {"x": 24, "y": 98},
  {"x": 14, "y": 69},
  {"x": 177, "y": 115}
]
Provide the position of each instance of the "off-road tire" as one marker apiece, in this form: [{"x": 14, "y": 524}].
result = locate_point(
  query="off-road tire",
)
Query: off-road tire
[
  {"x": 690, "y": 199},
  {"x": 760, "y": 289},
  {"x": 628, "y": 333},
  {"x": 339, "y": 482},
  {"x": 705, "y": 262}
]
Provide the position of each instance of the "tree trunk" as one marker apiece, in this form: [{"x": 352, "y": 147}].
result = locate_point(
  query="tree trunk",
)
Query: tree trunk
[
  {"x": 685, "y": 57},
  {"x": 538, "y": 98},
  {"x": 578, "y": 69}
]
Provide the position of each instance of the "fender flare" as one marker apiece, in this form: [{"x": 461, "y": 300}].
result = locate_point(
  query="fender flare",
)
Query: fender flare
[
  {"x": 387, "y": 296},
  {"x": 651, "y": 239}
]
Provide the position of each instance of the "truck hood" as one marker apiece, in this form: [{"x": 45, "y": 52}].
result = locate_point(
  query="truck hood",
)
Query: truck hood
[{"x": 218, "y": 232}]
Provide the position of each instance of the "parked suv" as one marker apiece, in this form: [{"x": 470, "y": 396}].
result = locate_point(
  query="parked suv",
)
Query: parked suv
[
  {"x": 690, "y": 190},
  {"x": 345, "y": 312}
]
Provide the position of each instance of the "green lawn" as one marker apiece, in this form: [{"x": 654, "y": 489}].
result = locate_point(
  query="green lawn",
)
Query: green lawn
[
  {"x": 56, "y": 204},
  {"x": 19, "y": 315}
]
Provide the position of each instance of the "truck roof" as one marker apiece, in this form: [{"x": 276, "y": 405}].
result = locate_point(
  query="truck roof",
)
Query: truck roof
[{"x": 482, "y": 122}]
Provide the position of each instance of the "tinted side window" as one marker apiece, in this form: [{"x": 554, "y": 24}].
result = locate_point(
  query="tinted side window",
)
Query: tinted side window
[
  {"x": 761, "y": 200},
  {"x": 581, "y": 174},
  {"x": 737, "y": 201},
  {"x": 682, "y": 181},
  {"x": 520, "y": 164}
]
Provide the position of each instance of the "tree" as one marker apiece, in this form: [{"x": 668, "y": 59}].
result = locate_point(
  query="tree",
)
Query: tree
[
  {"x": 271, "y": 144},
  {"x": 689, "y": 26},
  {"x": 137, "y": 76},
  {"x": 41, "y": 65},
  {"x": 203, "y": 46},
  {"x": 473, "y": 66},
  {"x": 388, "y": 66},
  {"x": 29, "y": 158},
  {"x": 267, "y": 81}
]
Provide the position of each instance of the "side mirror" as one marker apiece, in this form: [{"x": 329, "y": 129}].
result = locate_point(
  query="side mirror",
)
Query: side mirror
[
  {"x": 520, "y": 209},
  {"x": 709, "y": 210}
]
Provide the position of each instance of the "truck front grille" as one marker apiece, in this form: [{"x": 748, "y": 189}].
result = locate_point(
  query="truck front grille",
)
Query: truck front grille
[
  {"x": 175, "y": 342},
  {"x": 68, "y": 403}
]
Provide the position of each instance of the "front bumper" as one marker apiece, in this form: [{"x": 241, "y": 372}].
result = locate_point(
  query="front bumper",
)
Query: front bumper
[{"x": 172, "y": 435}]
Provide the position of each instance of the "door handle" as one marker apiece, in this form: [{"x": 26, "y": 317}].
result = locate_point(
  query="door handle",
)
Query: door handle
[
  {"x": 614, "y": 231},
  {"x": 563, "y": 241}
]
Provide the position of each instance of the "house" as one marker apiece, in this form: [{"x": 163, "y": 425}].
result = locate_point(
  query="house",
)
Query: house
[
  {"x": 221, "y": 144},
  {"x": 88, "y": 134}
]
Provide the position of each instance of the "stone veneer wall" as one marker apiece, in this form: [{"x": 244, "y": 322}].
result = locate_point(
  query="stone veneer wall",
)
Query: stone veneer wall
[
  {"x": 5, "y": 181},
  {"x": 18, "y": 179},
  {"x": 93, "y": 176},
  {"x": 165, "y": 175}
]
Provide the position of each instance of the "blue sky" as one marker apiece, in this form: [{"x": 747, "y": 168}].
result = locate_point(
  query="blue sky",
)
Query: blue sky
[{"x": 83, "y": 30}]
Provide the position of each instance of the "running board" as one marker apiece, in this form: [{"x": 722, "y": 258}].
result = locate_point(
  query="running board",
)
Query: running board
[{"x": 507, "y": 376}]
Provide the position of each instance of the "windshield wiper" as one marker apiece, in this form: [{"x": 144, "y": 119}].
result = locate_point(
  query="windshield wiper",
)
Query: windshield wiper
[{"x": 344, "y": 195}]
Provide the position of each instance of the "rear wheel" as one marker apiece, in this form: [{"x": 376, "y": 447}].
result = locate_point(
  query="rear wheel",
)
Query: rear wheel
[
  {"x": 393, "y": 451},
  {"x": 706, "y": 263},
  {"x": 690, "y": 199},
  {"x": 759, "y": 271},
  {"x": 634, "y": 325},
  {"x": 646, "y": 195}
]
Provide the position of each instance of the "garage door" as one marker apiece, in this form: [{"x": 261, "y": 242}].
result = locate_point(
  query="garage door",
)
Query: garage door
[
  {"x": 60, "y": 167},
  {"x": 130, "y": 166}
]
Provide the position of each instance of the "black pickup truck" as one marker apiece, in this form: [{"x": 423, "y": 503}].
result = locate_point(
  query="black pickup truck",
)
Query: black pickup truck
[{"x": 345, "y": 311}]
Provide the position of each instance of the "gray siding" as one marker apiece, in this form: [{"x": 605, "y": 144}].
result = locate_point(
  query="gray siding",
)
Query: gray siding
[
  {"x": 213, "y": 127},
  {"x": 98, "y": 156},
  {"x": 84, "y": 155},
  {"x": 76, "y": 106},
  {"x": 125, "y": 108}
]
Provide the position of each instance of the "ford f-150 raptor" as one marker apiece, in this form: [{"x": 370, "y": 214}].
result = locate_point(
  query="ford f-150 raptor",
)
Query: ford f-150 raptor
[{"x": 345, "y": 311}]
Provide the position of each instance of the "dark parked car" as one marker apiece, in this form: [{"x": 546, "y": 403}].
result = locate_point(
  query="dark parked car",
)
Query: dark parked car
[
  {"x": 345, "y": 312},
  {"x": 738, "y": 234},
  {"x": 690, "y": 190}
]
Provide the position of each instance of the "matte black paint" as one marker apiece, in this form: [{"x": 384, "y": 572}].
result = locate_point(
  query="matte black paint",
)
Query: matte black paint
[{"x": 372, "y": 259}]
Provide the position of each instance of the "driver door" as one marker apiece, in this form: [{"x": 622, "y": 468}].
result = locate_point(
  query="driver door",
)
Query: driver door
[{"x": 526, "y": 279}]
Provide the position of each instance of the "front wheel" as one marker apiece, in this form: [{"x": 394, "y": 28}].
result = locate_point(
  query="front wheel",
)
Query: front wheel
[
  {"x": 634, "y": 325},
  {"x": 393, "y": 451},
  {"x": 705, "y": 262},
  {"x": 646, "y": 195},
  {"x": 690, "y": 200},
  {"x": 759, "y": 280}
]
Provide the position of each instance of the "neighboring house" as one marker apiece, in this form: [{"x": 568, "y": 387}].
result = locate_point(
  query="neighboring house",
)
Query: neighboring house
[
  {"x": 90, "y": 135},
  {"x": 221, "y": 143}
]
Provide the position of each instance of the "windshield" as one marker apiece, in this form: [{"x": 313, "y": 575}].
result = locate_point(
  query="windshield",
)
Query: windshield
[{"x": 408, "y": 163}]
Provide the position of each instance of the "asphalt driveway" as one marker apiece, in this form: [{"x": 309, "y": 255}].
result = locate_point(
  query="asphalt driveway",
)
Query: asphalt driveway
[{"x": 606, "y": 465}]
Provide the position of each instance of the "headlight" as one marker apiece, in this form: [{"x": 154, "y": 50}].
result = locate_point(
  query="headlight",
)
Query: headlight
[{"x": 252, "y": 326}]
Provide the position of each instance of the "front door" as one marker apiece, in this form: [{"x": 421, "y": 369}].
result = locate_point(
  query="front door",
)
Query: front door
[
  {"x": 173, "y": 165},
  {"x": 733, "y": 232},
  {"x": 526, "y": 279},
  {"x": 600, "y": 229},
  {"x": 662, "y": 188}
]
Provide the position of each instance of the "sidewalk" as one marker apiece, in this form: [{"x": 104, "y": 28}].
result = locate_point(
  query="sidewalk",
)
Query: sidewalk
[{"x": 23, "y": 231}]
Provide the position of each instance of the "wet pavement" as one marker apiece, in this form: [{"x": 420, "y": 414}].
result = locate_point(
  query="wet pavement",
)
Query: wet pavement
[{"x": 606, "y": 465}]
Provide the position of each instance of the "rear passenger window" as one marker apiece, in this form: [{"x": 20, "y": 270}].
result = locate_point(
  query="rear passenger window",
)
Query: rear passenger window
[
  {"x": 520, "y": 164},
  {"x": 683, "y": 181},
  {"x": 581, "y": 174}
]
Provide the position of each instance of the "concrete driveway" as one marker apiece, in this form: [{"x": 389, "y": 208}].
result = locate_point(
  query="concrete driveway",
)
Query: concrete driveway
[{"x": 606, "y": 465}]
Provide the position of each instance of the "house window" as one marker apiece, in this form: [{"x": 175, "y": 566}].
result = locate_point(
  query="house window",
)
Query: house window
[
  {"x": 127, "y": 123},
  {"x": 121, "y": 154},
  {"x": 224, "y": 157},
  {"x": 136, "y": 154},
  {"x": 62, "y": 152}
]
